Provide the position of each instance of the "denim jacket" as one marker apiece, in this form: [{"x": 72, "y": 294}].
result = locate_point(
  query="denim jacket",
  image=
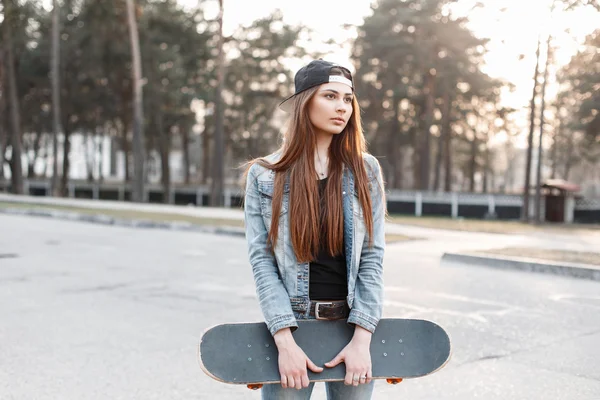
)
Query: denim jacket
[{"x": 282, "y": 282}]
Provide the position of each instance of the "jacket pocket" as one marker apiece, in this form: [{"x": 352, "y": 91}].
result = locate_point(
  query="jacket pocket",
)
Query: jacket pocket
[{"x": 266, "y": 198}]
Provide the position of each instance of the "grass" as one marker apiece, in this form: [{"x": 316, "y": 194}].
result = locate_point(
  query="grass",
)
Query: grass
[
  {"x": 547, "y": 254},
  {"x": 491, "y": 226},
  {"x": 157, "y": 217},
  {"x": 132, "y": 214}
]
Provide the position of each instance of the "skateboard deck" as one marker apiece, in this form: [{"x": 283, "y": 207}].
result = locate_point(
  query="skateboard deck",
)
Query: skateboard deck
[{"x": 245, "y": 353}]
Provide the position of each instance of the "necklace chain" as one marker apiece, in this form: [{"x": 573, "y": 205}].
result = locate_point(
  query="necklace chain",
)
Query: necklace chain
[{"x": 322, "y": 173}]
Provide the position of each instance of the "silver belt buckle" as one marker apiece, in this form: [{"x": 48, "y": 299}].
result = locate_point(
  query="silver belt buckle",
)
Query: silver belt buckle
[{"x": 317, "y": 304}]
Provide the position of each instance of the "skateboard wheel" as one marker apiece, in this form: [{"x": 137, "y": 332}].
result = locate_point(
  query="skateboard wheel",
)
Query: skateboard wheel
[
  {"x": 255, "y": 387},
  {"x": 394, "y": 381}
]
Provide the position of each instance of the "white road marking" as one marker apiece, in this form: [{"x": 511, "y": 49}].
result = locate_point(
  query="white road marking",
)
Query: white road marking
[
  {"x": 422, "y": 310},
  {"x": 500, "y": 309},
  {"x": 572, "y": 299}
]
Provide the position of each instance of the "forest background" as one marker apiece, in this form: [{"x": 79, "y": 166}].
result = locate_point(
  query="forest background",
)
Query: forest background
[{"x": 457, "y": 95}]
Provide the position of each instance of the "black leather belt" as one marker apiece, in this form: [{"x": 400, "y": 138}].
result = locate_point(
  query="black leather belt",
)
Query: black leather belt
[{"x": 329, "y": 309}]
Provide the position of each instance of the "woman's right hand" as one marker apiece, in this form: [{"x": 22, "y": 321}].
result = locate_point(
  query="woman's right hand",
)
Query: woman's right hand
[{"x": 292, "y": 361}]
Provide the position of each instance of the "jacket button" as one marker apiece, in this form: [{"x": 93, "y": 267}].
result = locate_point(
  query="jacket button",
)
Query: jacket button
[{"x": 343, "y": 192}]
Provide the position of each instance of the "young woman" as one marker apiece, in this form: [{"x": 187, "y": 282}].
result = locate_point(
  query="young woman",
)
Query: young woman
[{"x": 314, "y": 214}]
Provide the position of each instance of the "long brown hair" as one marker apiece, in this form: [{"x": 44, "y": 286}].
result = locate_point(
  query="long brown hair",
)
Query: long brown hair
[{"x": 311, "y": 222}]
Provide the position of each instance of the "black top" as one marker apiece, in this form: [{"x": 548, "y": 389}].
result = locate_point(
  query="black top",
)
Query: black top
[{"x": 328, "y": 277}]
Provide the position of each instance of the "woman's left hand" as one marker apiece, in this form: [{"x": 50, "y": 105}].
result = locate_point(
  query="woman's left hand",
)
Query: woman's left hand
[{"x": 357, "y": 357}]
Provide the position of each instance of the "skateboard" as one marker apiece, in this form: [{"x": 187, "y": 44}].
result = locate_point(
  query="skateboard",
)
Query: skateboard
[{"x": 245, "y": 353}]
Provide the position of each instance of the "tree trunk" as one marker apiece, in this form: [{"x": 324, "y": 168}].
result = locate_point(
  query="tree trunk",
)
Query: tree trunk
[
  {"x": 126, "y": 148},
  {"x": 3, "y": 117},
  {"x": 568, "y": 166},
  {"x": 509, "y": 175},
  {"x": 138, "y": 116},
  {"x": 473, "y": 163},
  {"x": 394, "y": 150},
  {"x": 486, "y": 169},
  {"x": 55, "y": 95},
  {"x": 216, "y": 198},
  {"x": 185, "y": 144},
  {"x": 2, "y": 151},
  {"x": 448, "y": 159},
  {"x": 416, "y": 145},
  {"x": 46, "y": 162},
  {"x": 36, "y": 151},
  {"x": 164, "y": 145},
  {"x": 30, "y": 173},
  {"x": 538, "y": 186},
  {"x": 15, "y": 117},
  {"x": 570, "y": 157},
  {"x": 66, "y": 166},
  {"x": 90, "y": 155},
  {"x": 65, "y": 92},
  {"x": 554, "y": 149},
  {"x": 100, "y": 146},
  {"x": 205, "y": 156},
  {"x": 525, "y": 211},
  {"x": 424, "y": 157},
  {"x": 3, "y": 144},
  {"x": 442, "y": 139}
]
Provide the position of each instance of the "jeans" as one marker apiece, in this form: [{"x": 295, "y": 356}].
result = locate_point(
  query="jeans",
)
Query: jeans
[{"x": 335, "y": 391}]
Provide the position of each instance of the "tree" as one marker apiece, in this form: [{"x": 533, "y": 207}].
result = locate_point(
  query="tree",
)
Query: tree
[
  {"x": 138, "y": 115},
  {"x": 538, "y": 187},
  {"x": 10, "y": 18},
  {"x": 55, "y": 92},
  {"x": 416, "y": 61},
  {"x": 3, "y": 117},
  {"x": 174, "y": 58},
  {"x": 255, "y": 82},
  {"x": 570, "y": 4},
  {"x": 444, "y": 140},
  {"x": 96, "y": 92},
  {"x": 216, "y": 194},
  {"x": 526, "y": 190},
  {"x": 577, "y": 140},
  {"x": 581, "y": 76}
]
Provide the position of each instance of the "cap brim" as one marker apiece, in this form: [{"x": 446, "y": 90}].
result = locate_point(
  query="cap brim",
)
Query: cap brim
[{"x": 286, "y": 105}]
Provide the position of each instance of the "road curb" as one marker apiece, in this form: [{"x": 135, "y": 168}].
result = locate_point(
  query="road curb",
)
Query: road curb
[
  {"x": 575, "y": 270},
  {"x": 124, "y": 222}
]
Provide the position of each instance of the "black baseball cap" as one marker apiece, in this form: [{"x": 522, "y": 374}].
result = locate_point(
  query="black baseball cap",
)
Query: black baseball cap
[{"x": 313, "y": 74}]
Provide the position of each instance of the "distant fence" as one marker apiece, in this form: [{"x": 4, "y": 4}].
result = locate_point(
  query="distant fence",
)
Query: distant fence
[
  {"x": 444, "y": 204},
  {"x": 455, "y": 205},
  {"x": 587, "y": 211}
]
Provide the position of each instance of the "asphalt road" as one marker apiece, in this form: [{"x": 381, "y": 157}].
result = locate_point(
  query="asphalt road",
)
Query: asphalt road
[{"x": 98, "y": 312}]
